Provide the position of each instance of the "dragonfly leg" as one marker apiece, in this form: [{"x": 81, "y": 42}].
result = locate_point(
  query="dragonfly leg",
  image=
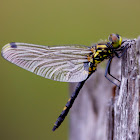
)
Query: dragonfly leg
[
  {"x": 110, "y": 73},
  {"x": 107, "y": 71},
  {"x": 123, "y": 52},
  {"x": 68, "y": 105}
]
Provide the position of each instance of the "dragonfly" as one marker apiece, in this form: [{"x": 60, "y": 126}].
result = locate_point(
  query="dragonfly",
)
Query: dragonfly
[{"x": 66, "y": 63}]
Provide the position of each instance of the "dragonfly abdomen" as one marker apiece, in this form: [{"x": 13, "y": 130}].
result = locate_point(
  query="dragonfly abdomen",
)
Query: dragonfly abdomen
[{"x": 68, "y": 105}]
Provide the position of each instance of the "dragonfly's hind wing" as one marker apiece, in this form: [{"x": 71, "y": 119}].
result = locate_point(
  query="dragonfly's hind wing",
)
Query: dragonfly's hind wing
[{"x": 61, "y": 63}]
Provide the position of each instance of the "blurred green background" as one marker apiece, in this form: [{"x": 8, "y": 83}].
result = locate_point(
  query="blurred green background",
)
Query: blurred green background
[{"x": 29, "y": 104}]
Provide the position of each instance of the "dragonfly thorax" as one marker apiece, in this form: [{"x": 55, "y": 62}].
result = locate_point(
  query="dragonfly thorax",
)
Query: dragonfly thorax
[{"x": 102, "y": 52}]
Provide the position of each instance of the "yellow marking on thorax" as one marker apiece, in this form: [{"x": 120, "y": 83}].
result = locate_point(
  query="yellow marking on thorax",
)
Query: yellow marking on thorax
[
  {"x": 96, "y": 53},
  {"x": 109, "y": 51},
  {"x": 104, "y": 55},
  {"x": 100, "y": 50},
  {"x": 96, "y": 61},
  {"x": 101, "y": 46}
]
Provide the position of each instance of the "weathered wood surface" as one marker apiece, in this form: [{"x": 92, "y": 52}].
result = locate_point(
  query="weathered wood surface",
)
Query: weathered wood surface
[
  {"x": 126, "y": 106},
  {"x": 101, "y": 114}
]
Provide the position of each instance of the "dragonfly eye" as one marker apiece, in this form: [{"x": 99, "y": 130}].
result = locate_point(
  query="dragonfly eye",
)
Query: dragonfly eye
[{"x": 115, "y": 40}]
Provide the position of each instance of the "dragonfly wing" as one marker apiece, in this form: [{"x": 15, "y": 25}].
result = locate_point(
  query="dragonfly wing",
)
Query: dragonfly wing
[{"x": 60, "y": 63}]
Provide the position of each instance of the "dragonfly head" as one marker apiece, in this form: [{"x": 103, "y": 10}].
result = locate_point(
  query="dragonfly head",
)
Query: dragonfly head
[{"x": 115, "y": 40}]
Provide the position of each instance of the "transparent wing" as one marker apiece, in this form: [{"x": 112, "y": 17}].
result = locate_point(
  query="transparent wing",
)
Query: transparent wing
[{"x": 60, "y": 63}]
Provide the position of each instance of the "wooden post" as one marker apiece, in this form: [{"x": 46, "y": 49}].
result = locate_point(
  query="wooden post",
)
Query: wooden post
[
  {"x": 126, "y": 106},
  {"x": 100, "y": 113}
]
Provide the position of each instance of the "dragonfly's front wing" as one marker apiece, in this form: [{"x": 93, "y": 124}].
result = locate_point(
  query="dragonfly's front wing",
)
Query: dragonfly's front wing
[{"x": 60, "y": 63}]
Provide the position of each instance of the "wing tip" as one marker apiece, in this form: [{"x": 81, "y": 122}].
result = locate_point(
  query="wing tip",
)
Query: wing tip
[
  {"x": 7, "y": 47},
  {"x": 10, "y": 45},
  {"x": 4, "y": 49}
]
